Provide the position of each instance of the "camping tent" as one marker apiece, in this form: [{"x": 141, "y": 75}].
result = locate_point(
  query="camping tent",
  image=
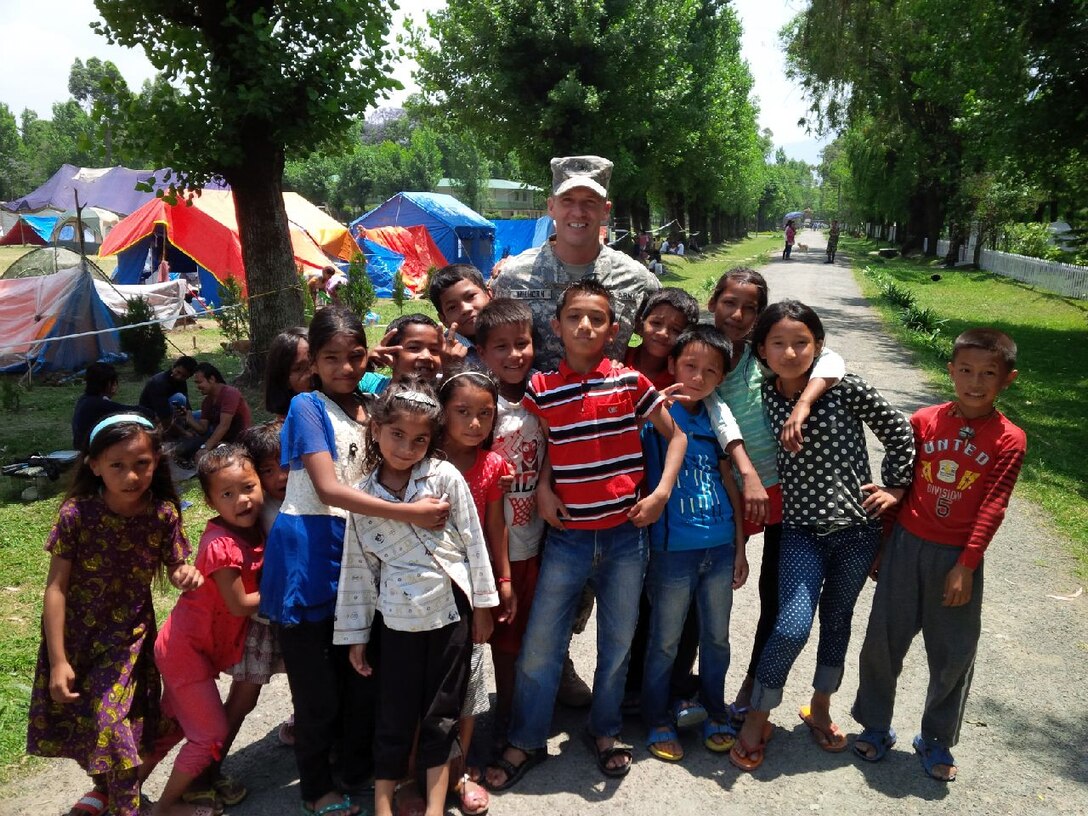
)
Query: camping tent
[
  {"x": 514, "y": 236},
  {"x": 50, "y": 259},
  {"x": 462, "y": 235},
  {"x": 97, "y": 224},
  {"x": 413, "y": 244},
  {"x": 30, "y": 229},
  {"x": 36, "y": 312},
  {"x": 200, "y": 241},
  {"x": 328, "y": 233},
  {"x": 167, "y": 300},
  {"x": 381, "y": 265},
  {"x": 111, "y": 188}
]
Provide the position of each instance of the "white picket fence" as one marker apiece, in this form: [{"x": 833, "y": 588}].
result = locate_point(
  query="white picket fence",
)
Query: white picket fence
[{"x": 1064, "y": 279}]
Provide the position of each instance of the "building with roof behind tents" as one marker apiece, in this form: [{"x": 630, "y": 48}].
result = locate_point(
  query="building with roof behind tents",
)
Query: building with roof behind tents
[
  {"x": 462, "y": 235},
  {"x": 34, "y": 230},
  {"x": 54, "y": 323},
  {"x": 200, "y": 242}
]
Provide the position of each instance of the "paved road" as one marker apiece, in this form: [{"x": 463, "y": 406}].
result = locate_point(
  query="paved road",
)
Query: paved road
[{"x": 1023, "y": 745}]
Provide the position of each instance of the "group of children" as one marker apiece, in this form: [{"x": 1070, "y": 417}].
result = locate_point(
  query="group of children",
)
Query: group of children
[{"x": 373, "y": 539}]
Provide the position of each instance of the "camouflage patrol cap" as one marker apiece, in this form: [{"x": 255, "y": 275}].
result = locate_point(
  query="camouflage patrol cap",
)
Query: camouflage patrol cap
[{"x": 591, "y": 172}]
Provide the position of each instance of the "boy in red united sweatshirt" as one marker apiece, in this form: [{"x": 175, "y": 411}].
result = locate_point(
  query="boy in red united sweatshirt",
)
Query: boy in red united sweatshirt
[{"x": 930, "y": 578}]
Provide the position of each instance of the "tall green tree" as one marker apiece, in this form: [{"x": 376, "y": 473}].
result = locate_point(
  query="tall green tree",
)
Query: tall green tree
[
  {"x": 260, "y": 78},
  {"x": 99, "y": 86}
]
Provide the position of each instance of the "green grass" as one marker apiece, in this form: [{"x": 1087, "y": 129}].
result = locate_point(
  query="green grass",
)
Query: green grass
[
  {"x": 1049, "y": 398},
  {"x": 43, "y": 423}
]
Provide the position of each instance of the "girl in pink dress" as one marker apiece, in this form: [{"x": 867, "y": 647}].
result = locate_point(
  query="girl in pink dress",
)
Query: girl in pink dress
[
  {"x": 206, "y": 632},
  {"x": 96, "y": 689}
]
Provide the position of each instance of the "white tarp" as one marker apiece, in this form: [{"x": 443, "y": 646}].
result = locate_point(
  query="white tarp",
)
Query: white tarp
[{"x": 167, "y": 299}]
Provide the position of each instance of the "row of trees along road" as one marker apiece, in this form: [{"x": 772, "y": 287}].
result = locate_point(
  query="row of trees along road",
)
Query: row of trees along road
[{"x": 951, "y": 113}]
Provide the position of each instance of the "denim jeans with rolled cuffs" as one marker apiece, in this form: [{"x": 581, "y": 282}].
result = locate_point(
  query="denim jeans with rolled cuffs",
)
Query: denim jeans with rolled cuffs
[
  {"x": 613, "y": 562},
  {"x": 672, "y": 581},
  {"x": 820, "y": 569}
]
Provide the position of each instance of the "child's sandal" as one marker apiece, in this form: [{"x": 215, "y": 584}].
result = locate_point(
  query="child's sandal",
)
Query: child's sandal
[{"x": 712, "y": 729}]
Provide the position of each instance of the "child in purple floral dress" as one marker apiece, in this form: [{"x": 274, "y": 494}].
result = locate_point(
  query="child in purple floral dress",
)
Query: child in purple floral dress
[{"x": 96, "y": 690}]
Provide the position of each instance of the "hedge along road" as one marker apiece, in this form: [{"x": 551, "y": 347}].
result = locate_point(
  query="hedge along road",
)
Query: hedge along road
[{"x": 1022, "y": 748}]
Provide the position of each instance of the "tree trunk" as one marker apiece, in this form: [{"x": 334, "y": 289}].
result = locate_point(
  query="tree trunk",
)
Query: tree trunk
[{"x": 275, "y": 297}]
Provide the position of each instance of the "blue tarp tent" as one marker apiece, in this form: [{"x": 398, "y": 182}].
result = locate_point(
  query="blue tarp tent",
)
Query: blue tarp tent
[
  {"x": 463, "y": 236},
  {"x": 513, "y": 236},
  {"x": 381, "y": 265},
  {"x": 30, "y": 229}
]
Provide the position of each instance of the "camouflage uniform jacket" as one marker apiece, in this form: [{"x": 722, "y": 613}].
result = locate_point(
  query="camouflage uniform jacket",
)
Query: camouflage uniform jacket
[{"x": 538, "y": 277}]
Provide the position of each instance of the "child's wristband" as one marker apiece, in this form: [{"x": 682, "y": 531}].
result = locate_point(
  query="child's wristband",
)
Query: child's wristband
[{"x": 502, "y": 580}]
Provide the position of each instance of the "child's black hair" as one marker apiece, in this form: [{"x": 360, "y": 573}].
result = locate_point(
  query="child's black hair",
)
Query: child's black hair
[
  {"x": 210, "y": 372},
  {"x": 84, "y": 482},
  {"x": 476, "y": 377},
  {"x": 585, "y": 286},
  {"x": 708, "y": 336},
  {"x": 219, "y": 458},
  {"x": 994, "y": 341},
  {"x": 411, "y": 395},
  {"x": 262, "y": 441},
  {"x": 502, "y": 312},
  {"x": 447, "y": 276},
  {"x": 277, "y": 372},
  {"x": 743, "y": 276},
  {"x": 669, "y": 296},
  {"x": 785, "y": 310},
  {"x": 98, "y": 378},
  {"x": 414, "y": 319}
]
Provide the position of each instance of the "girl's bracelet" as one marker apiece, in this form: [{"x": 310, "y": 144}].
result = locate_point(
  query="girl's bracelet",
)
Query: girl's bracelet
[{"x": 502, "y": 580}]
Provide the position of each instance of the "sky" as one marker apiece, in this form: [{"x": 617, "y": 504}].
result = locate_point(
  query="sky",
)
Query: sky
[{"x": 41, "y": 39}]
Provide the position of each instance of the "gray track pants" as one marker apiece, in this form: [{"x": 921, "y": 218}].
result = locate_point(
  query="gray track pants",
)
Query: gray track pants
[{"x": 908, "y": 600}]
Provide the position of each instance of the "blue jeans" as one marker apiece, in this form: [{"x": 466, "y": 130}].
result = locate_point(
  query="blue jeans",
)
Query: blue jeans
[
  {"x": 672, "y": 580},
  {"x": 613, "y": 562},
  {"x": 815, "y": 571}
]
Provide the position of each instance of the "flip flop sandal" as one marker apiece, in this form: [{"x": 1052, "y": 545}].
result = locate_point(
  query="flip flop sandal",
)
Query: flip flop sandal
[
  {"x": 606, "y": 755},
  {"x": 753, "y": 755},
  {"x": 712, "y": 729},
  {"x": 205, "y": 798},
  {"x": 932, "y": 754},
  {"x": 286, "y": 732},
  {"x": 880, "y": 741},
  {"x": 93, "y": 803},
  {"x": 661, "y": 735},
  {"x": 513, "y": 772},
  {"x": 830, "y": 739},
  {"x": 688, "y": 713},
  {"x": 229, "y": 790},
  {"x": 471, "y": 801},
  {"x": 344, "y": 806}
]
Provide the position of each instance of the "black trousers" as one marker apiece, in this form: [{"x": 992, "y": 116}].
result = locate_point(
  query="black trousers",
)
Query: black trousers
[
  {"x": 768, "y": 592},
  {"x": 422, "y": 683},
  {"x": 334, "y": 705}
]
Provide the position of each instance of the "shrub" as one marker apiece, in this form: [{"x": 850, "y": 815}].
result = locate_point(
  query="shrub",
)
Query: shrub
[
  {"x": 145, "y": 345},
  {"x": 358, "y": 293},
  {"x": 399, "y": 297},
  {"x": 232, "y": 316}
]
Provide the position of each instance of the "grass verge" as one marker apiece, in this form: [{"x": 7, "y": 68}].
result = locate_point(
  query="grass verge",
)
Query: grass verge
[{"x": 1047, "y": 401}]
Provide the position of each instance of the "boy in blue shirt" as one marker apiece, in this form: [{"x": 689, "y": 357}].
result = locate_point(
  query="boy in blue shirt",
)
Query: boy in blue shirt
[{"x": 696, "y": 549}]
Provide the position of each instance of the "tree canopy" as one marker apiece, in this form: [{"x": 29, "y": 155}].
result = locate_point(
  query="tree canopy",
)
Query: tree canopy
[{"x": 250, "y": 80}]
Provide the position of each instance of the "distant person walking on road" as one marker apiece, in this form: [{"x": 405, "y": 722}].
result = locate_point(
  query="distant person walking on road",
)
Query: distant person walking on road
[
  {"x": 791, "y": 235},
  {"x": 832, "y": 241}
]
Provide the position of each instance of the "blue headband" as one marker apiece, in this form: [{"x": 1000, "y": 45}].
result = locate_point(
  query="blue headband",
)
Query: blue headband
[{"x": 115, "y": 419}]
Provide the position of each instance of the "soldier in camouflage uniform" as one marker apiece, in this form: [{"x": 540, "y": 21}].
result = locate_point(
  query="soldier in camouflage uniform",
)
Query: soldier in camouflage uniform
[{"x": 578, "y": 205}]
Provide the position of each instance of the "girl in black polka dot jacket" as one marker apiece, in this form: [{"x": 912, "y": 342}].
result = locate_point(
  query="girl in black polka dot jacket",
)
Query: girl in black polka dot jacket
[{"x": 831, "y": 527}]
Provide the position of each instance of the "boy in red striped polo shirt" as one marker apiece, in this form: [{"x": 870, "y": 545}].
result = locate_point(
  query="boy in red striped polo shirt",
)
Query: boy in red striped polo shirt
[{"x": 591, "y": 410}]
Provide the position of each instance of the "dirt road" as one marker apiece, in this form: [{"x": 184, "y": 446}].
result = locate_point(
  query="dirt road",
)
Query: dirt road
[{"x": 1023, "y": 747}]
